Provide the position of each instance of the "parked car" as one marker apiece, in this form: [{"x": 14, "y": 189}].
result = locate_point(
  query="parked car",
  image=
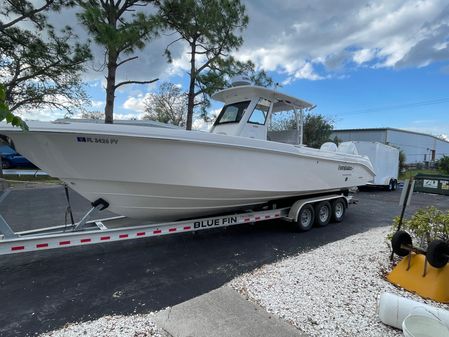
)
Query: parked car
[{"x": 12, "y": 159}]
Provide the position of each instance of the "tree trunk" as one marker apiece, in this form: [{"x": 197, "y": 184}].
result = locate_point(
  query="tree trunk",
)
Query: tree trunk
[
  {"x": 190, "y": 104},
  {"x": 110, "y": 88},
  {"x": 191, "y": 95}
]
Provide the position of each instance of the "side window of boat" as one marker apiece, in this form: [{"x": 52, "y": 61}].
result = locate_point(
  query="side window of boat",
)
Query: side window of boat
[
  {"x": 232, "y": 113},
  {"x": 260, "y": 112}
]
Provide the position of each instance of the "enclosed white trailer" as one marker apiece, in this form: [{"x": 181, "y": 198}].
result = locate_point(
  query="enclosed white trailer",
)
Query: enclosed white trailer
[{"x": 385, "y": 161}]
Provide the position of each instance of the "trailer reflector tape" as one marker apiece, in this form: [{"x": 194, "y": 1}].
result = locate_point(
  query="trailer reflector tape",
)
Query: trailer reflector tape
[
  {"x": 18, "y": 248},
  {"x": 57, "y": 237}
]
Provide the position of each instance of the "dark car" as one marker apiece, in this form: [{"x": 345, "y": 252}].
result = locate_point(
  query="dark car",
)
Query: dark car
[{"x": 11, "y": 158}]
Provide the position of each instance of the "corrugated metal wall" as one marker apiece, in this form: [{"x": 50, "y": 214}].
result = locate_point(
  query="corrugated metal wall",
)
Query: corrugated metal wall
[
  {"x": 368, "y": 135},
  {"x": 417, "y": 147}
]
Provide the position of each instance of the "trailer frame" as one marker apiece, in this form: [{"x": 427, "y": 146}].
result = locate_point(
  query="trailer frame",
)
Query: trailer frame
[{"x": 88, "y": 232}]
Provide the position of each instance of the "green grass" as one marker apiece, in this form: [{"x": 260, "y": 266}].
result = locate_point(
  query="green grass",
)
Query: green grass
[{"x": 413, "y": 172}]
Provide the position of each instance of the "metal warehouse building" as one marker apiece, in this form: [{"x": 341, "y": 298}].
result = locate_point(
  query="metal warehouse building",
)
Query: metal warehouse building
[{"x": 418, "y": 147}]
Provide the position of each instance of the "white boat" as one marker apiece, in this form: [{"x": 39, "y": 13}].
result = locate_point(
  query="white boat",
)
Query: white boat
[{"x": 164, "y": 174}]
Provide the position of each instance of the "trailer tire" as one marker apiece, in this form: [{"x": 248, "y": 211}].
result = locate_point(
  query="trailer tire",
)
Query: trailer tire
[
  {"x": 323, "y": 211},
  {"x": 401, "y": 238},
  {"x": 395, "y": 185},
  {"x": 390, "y": 186},
  {"x": 338, "y": 210},
  {"x": 306, "y": 218},
  {"x": 437, "y": 253},
  {"x": 6, "y": 164}
]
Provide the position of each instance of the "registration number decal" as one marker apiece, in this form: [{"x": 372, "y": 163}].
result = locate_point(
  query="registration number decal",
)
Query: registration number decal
[{"x": 97, "y": 140}]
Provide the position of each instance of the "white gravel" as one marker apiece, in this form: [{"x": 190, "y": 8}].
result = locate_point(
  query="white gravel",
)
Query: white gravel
[
  {"x": 329, "y": 291},
  {"x": 111, "y": 326}
]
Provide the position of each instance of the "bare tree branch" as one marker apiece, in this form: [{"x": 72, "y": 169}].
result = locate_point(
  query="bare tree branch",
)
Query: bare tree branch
[
  {"x": 135, "y": 82},
  {"x": 127, "y": 60}
]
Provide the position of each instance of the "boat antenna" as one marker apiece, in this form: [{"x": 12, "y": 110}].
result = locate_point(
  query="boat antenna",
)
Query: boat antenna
[{"x": 277, "y": 85}]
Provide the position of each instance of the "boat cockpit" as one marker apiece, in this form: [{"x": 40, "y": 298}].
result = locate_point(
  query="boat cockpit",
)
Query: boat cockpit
[{"x": 260, "y": 113}]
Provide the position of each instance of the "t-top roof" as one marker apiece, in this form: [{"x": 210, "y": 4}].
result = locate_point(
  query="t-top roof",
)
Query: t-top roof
[{"x": 281, "y": 101}]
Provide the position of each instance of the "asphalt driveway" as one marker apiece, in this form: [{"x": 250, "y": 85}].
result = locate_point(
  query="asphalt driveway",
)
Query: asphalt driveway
[{"x": 44, "y": 290}]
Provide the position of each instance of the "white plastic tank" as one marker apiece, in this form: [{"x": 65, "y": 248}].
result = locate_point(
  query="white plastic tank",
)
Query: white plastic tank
[
  {"x": 423, "y": 326},
  {"x": 393, "y": 310}
]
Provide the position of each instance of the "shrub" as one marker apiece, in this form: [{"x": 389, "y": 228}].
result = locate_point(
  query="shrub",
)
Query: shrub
[
  {"x": 425, "y": 225},
  {"x": 402, "y": 159},
  {"x": 443, "y": 164}
]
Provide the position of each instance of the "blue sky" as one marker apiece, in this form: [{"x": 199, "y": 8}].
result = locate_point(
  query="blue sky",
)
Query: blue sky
[
  {"x": 412, "y": 98},
  {"x": 363, "y": 63}
]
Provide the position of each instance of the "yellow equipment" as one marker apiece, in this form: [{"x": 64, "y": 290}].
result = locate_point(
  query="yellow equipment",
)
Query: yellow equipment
[{"x": 414, "y": 274}]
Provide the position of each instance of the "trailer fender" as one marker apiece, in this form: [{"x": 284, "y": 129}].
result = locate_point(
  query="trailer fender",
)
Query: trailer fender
[{"x": 299, "y": 204}]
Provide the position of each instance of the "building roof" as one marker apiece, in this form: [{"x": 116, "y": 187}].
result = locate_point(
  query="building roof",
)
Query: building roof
[{"x": 391, "y": 129}]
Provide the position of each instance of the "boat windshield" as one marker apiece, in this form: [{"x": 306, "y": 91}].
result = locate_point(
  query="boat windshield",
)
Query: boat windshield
[{"x": 232, "y": 113}]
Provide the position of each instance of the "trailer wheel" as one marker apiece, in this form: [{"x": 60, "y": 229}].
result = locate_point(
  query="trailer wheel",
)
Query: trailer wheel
[
  {"x": 401, "y": 238},
  {"x": 306, "y": 218},
  {"x": 437, "y": 253},
  {"x": 395, "y": 185},
  {"x": 323, "y": 211},
  {"x": 6, "y": 164},
  {"x": 338, "y": 210},
  {"x": 390, "y": 185}
]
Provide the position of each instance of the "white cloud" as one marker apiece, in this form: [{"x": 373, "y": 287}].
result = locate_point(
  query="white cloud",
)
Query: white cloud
[
  {"x": 307, "y": 72},
  {"x": 201, "y": 125},
  {"x": 363, "y": 55},
  {"x": 42, "y": 114},
  {"x": 136, "y": 103},
  {"x": 293, "y": 36},
  {"x": 46, "y": 113},
  {"x": 97, "y": 104}
]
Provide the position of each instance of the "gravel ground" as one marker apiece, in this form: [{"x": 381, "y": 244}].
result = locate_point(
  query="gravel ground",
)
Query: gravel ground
[
  {"x": 329, "y": 291},
  {"x": 111, "y": 326}
]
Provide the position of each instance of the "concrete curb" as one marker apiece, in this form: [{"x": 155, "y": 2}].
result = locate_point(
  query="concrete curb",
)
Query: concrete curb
[{"x": 222, "y": 312}]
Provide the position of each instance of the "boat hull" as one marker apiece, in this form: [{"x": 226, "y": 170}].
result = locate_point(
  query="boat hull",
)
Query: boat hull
[{"x": 166, "y": 175}]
